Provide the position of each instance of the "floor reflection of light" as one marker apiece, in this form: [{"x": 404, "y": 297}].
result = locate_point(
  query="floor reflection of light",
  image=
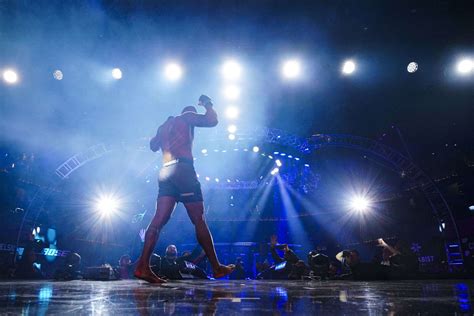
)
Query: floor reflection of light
[
  {"x": 45, "y": 293},
  {"x": 343, "y": 296}
]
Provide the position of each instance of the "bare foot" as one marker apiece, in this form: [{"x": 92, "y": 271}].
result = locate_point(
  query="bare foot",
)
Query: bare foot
[
  {"x": 148, "y": 275},
  {"x": 223, "y": 270}
]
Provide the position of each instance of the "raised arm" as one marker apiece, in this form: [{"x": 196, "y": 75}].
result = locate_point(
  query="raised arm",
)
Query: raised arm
[{"x": 208, "y": 119}]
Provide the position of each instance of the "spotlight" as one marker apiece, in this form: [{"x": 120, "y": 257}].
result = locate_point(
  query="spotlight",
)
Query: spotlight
[
  {"x": 107, "y": 205},
  {"x": 231, "y": 70},
  {"x": 217, "y": 180},
  {"x": 173, "y": 72},
  {"x": 58, "y": 74},
  {"x": 471, "y": 208},
  {"x": 10, "y": 76},
  {"x": 204, "y": 151},
  {"x": 412, "y": 67},
  {"x": 232, "y": 129},
  {"x": 348, "y": 67},
  {"x": 207, "y": 178},
  {"x": 278, "y": 162},
  {"x": 255, "y": 149},
  {"x": 117, "y": 73},
  {"x": 291, "y": 69},
  {"x": 231, "y": 137},
  {"x": 359, "y": 204},
  {"x": 232, "y": 112},
  {"x": 465, "y": 66},
  {"x": 274, "y": 171},
  {"x": 231, "y": 92}
]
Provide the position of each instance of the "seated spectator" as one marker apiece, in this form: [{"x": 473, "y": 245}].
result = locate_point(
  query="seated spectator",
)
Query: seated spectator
[
  {"x": 402, "y": 261},
  {"x": 360, "y": 270},
  {"x": 125, "y": 267},
  {"x": 27, "y": 267},
  {"x": 239, "y": 272},
  {"x": 71, "y": 270},
  {"x": 291, "y": 266},
  {"x": 318, "y": 263},
  {"x": 173, "y": 267}
]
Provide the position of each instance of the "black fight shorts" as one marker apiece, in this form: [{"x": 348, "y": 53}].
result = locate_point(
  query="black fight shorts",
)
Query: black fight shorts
[{"x": 179, "y": 180}]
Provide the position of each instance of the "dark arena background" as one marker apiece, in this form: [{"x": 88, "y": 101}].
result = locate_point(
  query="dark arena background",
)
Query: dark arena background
[{"x": 339, "y": 179}]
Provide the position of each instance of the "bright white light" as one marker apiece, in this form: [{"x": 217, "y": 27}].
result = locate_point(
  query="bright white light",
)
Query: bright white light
[
  {"x": 58, "y": 74},
  {"x": 231, "y": 92},
  {"x": 278, "y": 162},
  {"x": 231, "y": 136},
  {"x": 255, "y": 149},
  {"x": 471, "y": 208},
  {"x": 231, "y": 70},
  {"x": 291, "y": 69},
  {"x": 10, "y": 76},
  {"x": 107, "y": 205},
  {"x": 217, "y": 179},
  {"x": 204, "y": 151},
  {"x": 207, "y": 178},
  {"x": 412, "y": 67},
  {"x": 232, "y": 112},
  {"x": 232, "y": 129},
  {"x": 465, "y": 66},
  {"x": 274, "y": 171},
  {"x": 360, "y": 204},
  {"x": 348, "y": 67},
  {"x": 173, "y": 72},
  {"x": 117, "y": 73}
]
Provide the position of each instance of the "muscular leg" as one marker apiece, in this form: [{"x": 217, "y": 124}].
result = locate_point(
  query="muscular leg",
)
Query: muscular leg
[
  {"x": 164, "y": 208},
  {"x": 196, "y": 214}
]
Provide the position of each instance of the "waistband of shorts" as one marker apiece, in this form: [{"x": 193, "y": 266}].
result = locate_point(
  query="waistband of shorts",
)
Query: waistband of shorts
[{"x": 178, "y": 160}]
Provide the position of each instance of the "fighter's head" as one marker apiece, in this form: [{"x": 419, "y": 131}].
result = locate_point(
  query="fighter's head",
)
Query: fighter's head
[{"x": 189, "y": 109}]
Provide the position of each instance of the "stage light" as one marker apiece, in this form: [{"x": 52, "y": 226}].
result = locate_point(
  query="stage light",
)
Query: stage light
[
  {"x": 10, "y": 76},
  {"x": 471, "y": 208},
  {"x": 204, "y": 151},
  {"x": 58, "y": 74},
  {"x": 255, "y": 149},
  {"x": 360, "y": 204},
  {"x": 274, "y": 171},
  {"x": 207, "y": 178},
  {"x": 107, "y": 205},
  {"x": 231, "y": 92},
  {"x": 232, "y": 129},
  {"x": 278, "y": 162},
  {"x": 465, "y": 66},
  {"x": 217, "y": 180},
  {"x": 117, "y": 73},
  {"x": 231, "y": 136},
  {"x": 173, "y": 72},
  {"x": 232, "y": 112},
  {"x": 348, "y": 67},
  {"x": 412, "y": 67},
  {"x": 231, "y": 70},
  {"x": 291, "y": 69}
]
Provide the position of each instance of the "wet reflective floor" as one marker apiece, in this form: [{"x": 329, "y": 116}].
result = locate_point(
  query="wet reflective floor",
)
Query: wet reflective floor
[{"x": 132, "y": 297}]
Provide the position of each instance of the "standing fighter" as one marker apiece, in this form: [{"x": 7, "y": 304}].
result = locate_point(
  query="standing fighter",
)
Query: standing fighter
[{"x": 178, "y": 183}]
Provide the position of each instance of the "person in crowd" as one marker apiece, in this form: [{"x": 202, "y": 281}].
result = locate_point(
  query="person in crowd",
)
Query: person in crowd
[
  {"x": 173, "y": 267},
  {"x": 125, "y": 267},
  {"x": 402, "y": 261},
  {"x": 71, "y": 270},
  {"x": 292, "y": 267},
  {"x": 239, "y": 272},
  {"x": 27, "y": 267},
  {"x": 360, "y": 270},
  {"x": 318, "y": 263}
]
